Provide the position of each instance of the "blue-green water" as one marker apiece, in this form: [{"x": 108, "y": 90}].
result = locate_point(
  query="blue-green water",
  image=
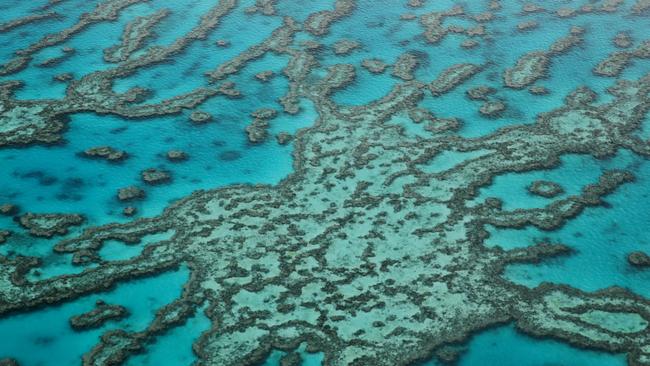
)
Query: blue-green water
[
  {"x": 506, "y": 346},
  {"x": 46, "y": 338},
  {"x": 55, "y": 179}
]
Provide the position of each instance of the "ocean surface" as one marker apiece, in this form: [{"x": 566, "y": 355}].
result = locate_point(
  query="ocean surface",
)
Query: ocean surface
[{"x": 56, "y": 178}]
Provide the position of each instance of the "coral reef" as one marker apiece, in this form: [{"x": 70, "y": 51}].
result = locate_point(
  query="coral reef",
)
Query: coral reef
[
  {"x": 545, "y": 188},
  {"x": 622, "y": 40},
  {"x": 7, "y": 209},
  {"x": 360, "y": 253},
  {"x": 405, "y": 66},
  {"x": 49, "y": 225},
  {"x": 318, "y": 23},
  {"x": 8, "y": 362},
  {"x": 527, "y": 25},
  {"x": 4, "y": 234},
  {"x": 200, "y": 117},
  {"x": 452, "y": 77},
  {"x": 153, "y": 176},
  {"x": 492, "y": 109},
  {"x": 284, "y": 138},
  {"x": 345, "y": 46},
  {"x": 241, "y": 244},
  {"x": 481, "y": 92},
  {"x": 616, "y": 62},
  {"x": 130, "y": 193},
  {"x": 134, "y": 36},
  {"x": 95, "y": 318},
  {"x": 264, "y": 76},
  {"x": 129, "y": 211},
  {"x": 533, "y": 66},
  {"x": 176, "y": 155},
  {"x": 639, "y": 259},
  {"x": 538, "y": 90},
  {"x": 375, "y": 66},
  {"x": 105, "y": 152}
]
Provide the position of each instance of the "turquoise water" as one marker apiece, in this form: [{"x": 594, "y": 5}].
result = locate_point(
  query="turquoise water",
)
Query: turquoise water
[
  {"x": 308, "y": 359},
  {"x": 44, "y": 337},
  {"x": 175, "y": 346},
  {"x": 602, "y": 236},
  {"x": 505, "y": 346},
  {"x": 573, "y": 173},
  {"x": 43, "y": 179}
]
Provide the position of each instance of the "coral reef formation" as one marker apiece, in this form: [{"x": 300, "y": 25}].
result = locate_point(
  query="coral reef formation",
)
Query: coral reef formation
[{"x": 361, "y": 253}]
